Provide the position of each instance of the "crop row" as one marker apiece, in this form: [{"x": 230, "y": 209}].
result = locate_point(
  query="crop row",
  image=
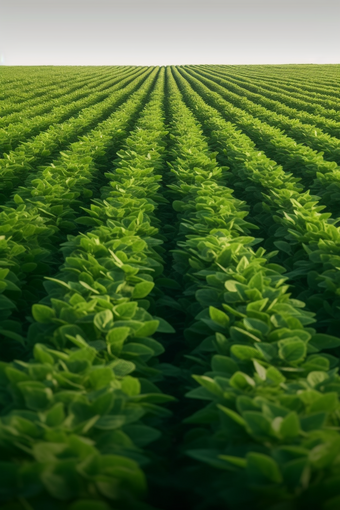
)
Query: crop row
[
  {"x": 291, "y": 219},
  {"x": 47, "y": 209},
  {"x": 12, "y": 135},
  {"x": 75, "y": 420},
  {"x": 306, "y": 163},
  {"x": 284, "y": 106},
  {"x": 62, "y": 95},
  {"x": 310, "y": 93},
  {"x": 271, "y": 411},
  {"x": 42, "y": 148},
  {"x": 311, "y": 85},
  {"x": 325, "y": 106},
  {"x": 22, "y": 92},
  {"x": 301, "y": 132}
]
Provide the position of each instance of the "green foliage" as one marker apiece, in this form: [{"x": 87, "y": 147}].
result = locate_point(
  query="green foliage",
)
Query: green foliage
[
  {"x": 122, "y": 285},
  {"x": 268, "y": 400}
]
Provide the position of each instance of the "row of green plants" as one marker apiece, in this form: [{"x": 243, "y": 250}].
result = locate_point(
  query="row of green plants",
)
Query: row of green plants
[
  {"x": 283, "y": 106},
  {"x": 31, "y": 90},
  {"x": 322, "y": 177},
  {"x": 311, "y": 85},
  {"x": 307, "y": 134},
  {"x": 50, "y": 100},
  {"x": 291, "y": 220},
  {"x": 43, "y": 148},
  {"x": 13, "y": 134},
  {"x": 45, "y": 211},
  {"x": 77, "y": 415},
  {"x": 323, "y": 74},
  {"x": 268, "y": 425},
  {"x": 255, "y": 85},
  {"x": 308, "y": 91},
  {"x": 328, "y": 107}
]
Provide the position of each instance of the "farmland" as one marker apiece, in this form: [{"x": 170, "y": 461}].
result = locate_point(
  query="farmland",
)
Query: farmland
[{"x": 170, "y": 287}]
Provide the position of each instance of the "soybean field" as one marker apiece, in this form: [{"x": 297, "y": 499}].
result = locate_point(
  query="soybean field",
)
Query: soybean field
[{"x": 170, "y": 287}]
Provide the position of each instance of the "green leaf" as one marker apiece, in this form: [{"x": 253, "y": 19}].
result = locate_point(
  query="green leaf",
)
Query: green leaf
[
  {"x": 233, "y": 415},
  {"x": 110, "y": 422},
  {"x": 43, "y": 314},
  {"x": 219, "y": 317},
  {"x": 258, "y": 424},
  {"x": 232, "y": 311},
  {"x": 85, "y": 353},
  {"x": 15, "y": 375},
  {"x": 6, "y": 304},
  {"x": 292, "y": 350},
  {"x": 135, "y": 350},
  {"x": 260, "y": 465},
  {"x": 126, "y": 310},
  {"x": 88, "y": 287},
  {"x": 237, "y": 461},
  {"x": 244, "y": 352},
  {"x": 209, "y": 384},
  {"x": 256, "y": 326},
  {"x": 321, "y": 341},
  {"x": 101, "y": 377},
  {"x": 313, "y": 422},
  {"x": 103, "y": 320},
  {"x": 242, "y": 265},
  {"x": 241, "y": 381},
  {"x": 323, "y": 455},
  {"x": 290, "y": 426},
  {"x": 326, "y": 403},
  {"x": 142, "y": 289},
  {"x": 122, "y": 367},
  {"x": 230, "y": 285},
  {"x": 283, "y": 246},
  {"x": 147, "y": 329},
  {"x": 157, "y": 348},
  {"x": 88, "y": 221},
  {"x": 257, "y": 306},
  {"x": 56, "y": 415},
  {"x": 164, "y": 326},
  {"x": 295, "y": 472},
  {"x": 241, "y": 335},
  {"x": 41, "y": 355},
  {"x": 315, "y": 378},
  {"x": 60, "y": 480},
  {"x": 275, "y": 375},
  {"x": 142, "y": 435},
  {"x": 316, "y": 364},
  {"x": 36, "y": 395},
  {"x": 260, "y": 370},
  {"x": 256, "y": 282},
  {"x": 223, "y": 364},
  {"x": 117, "y": 335},
  {"x": 18, "y": 200},
  {"x": 131, "y": 385}
]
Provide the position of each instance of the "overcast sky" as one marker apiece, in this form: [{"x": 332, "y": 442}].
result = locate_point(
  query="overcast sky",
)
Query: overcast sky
[{"x": 163, "y": 32}]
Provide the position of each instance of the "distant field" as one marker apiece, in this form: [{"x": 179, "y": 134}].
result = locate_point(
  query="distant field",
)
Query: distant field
[{"x": 170, "y": 288}]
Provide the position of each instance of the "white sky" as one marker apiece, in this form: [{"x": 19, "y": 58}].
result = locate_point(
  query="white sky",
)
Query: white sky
[{"x": 164, "y": 32}]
